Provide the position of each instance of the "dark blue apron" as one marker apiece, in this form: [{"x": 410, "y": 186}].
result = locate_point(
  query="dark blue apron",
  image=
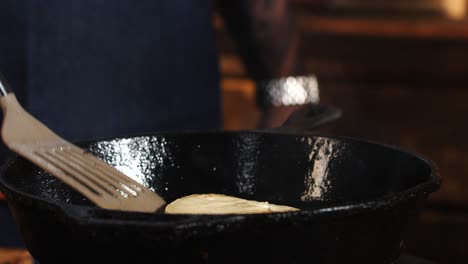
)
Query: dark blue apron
[{"x": 100, "y": 68}]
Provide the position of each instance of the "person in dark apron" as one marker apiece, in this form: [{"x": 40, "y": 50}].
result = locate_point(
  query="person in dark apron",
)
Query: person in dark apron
[{"x": 100, "y": 68}]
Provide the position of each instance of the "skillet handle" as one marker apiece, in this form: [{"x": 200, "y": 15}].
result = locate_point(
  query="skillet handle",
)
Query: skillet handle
[{"x": 310, "y": 117}]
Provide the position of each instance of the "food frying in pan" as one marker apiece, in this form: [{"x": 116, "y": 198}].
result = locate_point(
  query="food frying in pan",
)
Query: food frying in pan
[{"x": 222, "y": 204}]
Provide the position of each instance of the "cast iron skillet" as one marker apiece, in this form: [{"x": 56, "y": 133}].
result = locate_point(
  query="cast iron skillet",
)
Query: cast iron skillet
[{"x": 355, "y": 196}]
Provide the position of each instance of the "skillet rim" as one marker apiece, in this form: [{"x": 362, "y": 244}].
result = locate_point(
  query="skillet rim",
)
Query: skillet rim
[{"x": 90, "y": 214}]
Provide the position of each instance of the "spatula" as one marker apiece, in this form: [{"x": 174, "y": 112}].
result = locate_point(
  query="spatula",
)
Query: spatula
[{"x": 96, "y": 180}]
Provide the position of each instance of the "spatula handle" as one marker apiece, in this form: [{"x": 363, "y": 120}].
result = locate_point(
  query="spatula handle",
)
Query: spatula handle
[{"x": 4, "y": 86}]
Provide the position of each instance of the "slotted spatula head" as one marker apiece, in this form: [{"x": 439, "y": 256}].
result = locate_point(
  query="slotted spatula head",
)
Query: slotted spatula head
[{"x": 92, "y": 177}]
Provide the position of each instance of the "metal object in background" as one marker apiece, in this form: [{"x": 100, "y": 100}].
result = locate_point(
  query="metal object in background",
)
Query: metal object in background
[{"x": 292, "y": 90}]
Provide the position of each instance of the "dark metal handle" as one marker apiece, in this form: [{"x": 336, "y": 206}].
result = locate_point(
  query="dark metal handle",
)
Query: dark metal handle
[
  {"x": 310, "y": 117},
  {"x": 4, "y": 86}
]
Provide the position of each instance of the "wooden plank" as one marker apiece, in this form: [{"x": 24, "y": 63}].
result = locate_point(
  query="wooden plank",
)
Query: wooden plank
[
  {"x": 385, "y": 28},
  {"x": 15, "y": 256},
  {"x": 371, "y": 58},
  {"x": 365, "y": 24},
  {"x": 413, "y": 5},
  {"x": 239, "y": 107}
]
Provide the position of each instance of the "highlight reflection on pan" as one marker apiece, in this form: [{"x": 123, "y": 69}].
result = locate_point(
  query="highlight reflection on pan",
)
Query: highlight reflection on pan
[{"x": 354, "y": 198}]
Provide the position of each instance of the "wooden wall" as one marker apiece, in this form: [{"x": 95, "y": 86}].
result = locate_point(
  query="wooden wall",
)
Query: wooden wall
[
  {"x": 401, "y": 80},
  {"x": 397, "y": 86}
]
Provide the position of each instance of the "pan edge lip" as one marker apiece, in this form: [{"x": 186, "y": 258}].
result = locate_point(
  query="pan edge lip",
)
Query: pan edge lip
[{"x": 380, "y": 203}]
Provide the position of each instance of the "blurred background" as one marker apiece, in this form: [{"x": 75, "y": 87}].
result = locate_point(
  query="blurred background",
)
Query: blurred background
[{"x": 399, "y": 71}]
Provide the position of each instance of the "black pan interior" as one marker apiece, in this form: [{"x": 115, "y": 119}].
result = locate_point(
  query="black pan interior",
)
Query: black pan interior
[{"x": 298, "y": 170}]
